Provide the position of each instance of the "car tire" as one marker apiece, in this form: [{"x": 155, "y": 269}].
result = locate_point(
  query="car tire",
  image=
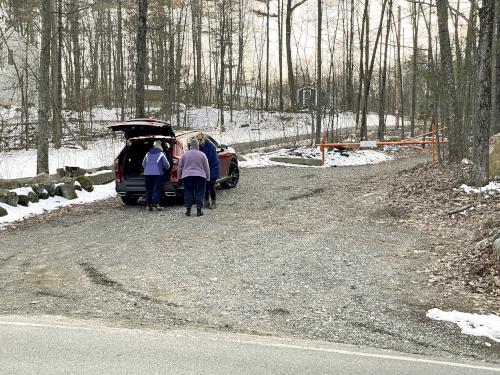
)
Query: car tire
[
  {"x": 233, "y": 176},
  {"x": 129, "y": 199}
]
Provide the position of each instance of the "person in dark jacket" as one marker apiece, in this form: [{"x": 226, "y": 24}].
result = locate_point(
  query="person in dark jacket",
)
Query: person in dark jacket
[
  {"x": 194, "y": 171},
  {"x": 208, "y": 148},
  {"x": 155, "y": 165}
]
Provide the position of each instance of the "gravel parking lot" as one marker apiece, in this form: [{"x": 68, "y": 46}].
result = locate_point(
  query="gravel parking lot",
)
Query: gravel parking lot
[{"x": 302, "y": 252}]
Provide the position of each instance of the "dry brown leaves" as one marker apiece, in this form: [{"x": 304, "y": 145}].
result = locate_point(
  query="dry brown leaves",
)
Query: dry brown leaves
[{"x": 461, "y": 228}]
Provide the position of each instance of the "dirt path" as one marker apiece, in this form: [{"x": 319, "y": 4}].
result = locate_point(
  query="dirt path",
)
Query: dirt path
[{"x": 311, "y": 253}]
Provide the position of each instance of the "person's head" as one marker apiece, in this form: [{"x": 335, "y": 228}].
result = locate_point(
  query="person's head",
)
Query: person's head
[
  {"x": 158, "y": 145},
  {"x": 193, "y": 144},
  {"x": 201, "y": 137}
]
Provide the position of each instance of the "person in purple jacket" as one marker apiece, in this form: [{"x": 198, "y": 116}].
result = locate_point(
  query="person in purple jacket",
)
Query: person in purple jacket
[
  {"x": 194, "y": 171},
  {"x": 155, "y": 165}
]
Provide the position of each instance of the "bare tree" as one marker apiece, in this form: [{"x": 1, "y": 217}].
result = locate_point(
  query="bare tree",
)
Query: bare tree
[
  {"x": 453, "y": 120},
  {"x": 319, "y": 96},
  {"x": 141, "y": 58},
  {"x": 42, "y": 156},
  {"x": 479, "y": 174},
  {"x": 496, "y": 124},
  {"x": 288, "y": 40},
  {"x": 381, "y": 112}
]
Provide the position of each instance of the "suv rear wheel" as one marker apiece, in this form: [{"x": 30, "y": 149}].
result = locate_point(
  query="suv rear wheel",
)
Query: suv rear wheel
[
  {"x": 233, "y": 177},
  {"x": 130, "y": 199}
]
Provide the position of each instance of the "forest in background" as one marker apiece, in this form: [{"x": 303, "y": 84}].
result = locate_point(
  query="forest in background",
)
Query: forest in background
[{"x": 425, "y": 61}]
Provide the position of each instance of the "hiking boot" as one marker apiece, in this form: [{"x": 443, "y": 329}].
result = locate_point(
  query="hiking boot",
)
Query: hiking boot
[
  {"x": 199, "y": 212},
  {"x": 188, "y": 211},
  {"x": 206, "y": 204},
  {"x": 158, "y": 208},
  {"x": 213, "y": 205},
  {"x": 149, "y": 207}
]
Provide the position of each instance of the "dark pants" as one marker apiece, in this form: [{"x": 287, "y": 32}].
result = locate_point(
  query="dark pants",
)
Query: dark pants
[
  {"x": 153, "y": 186},
  {"x": 194, "y": 190},
  {"x": 210, "y": 190}
]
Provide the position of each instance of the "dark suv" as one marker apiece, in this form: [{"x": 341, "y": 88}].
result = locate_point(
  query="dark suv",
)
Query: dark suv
[{"x": 140, "y": 135}]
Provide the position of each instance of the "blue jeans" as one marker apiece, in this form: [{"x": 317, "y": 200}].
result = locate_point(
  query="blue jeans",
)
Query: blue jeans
[
  {"x": 210, "y": 190},
  {"x": 153, "y": 186},
  {"x": 194, "y": 191}
]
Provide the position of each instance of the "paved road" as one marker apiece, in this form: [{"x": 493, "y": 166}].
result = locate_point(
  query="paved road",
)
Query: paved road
[{"x": 61, "y": 346}]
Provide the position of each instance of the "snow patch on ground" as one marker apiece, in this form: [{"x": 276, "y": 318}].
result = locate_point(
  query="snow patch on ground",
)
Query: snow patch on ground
[
  {"x": 491, "y": 187},
  {"x": 45, "y": 205},
  {"x": 332, "y": 159},
  {"x": 470, "y": 324}
]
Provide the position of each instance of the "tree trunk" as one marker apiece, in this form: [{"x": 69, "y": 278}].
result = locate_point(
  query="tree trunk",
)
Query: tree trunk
[
  {"x": 119, "y": 57},
  {"x": 453, "y": 119},
  {"x": 414, "y": 69},
  {"x": 381, "y": 112},
  {"x": 319, "y": 98},
  {"x": 496, "y": 124},
  {"x": 368, "y": 77},
  {"x": 42, "y": 155},
  {"x": 141, "y": 59},
  {"x": 479, "y": 174},
  {"x": 288, "y": 41},
  {"x": 56, "y": 75}
]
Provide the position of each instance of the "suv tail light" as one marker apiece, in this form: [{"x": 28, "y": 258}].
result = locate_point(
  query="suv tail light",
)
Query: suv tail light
[
  {"x": 118, "y": 172},
  {"x": 173, "y": 172}
]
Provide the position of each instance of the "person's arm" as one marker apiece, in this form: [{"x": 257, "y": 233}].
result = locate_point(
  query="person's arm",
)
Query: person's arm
[
  {"x": 144, "y": 161},
  {"x": 165, "y": 163},
  {"x": 206, "y": 167}
]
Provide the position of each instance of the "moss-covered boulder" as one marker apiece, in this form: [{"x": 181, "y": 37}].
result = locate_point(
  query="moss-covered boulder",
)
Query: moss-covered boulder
[
  {"x": 101, "y": 177},
  {"x": 9, "y": 197},
  {"x": 3, "y": 212},
  {"x": 85, "y": 183},
  {"x": 33, "y": 198},
  {"x": 23, "y": 200},
  {"x": 9, "y": 184}
]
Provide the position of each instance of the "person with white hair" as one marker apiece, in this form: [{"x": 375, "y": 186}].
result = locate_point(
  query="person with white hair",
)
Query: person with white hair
[
  {"x": 155, "y": 165},
  {"x": 194, "y": 171}
]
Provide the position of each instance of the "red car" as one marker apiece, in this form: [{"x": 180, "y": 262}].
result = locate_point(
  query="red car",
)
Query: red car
[{"x": 140, "y": 135}]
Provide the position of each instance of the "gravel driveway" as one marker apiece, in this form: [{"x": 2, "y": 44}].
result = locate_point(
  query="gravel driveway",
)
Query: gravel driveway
[{"x": 303, "y": 252}]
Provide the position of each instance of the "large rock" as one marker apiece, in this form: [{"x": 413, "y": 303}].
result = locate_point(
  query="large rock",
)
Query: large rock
[
  {"x": 101, "y": 177},
  {"x": 33, "y": 198},
  {"x": 24, "y": 200},
  {"x": 3, "y": 212},
  {"x": 9, "y": 184},
  {"x": 9, "y": 197},
  {"x": 494, "y": 169},
  {"x": 40, "y": 191},
  {"x": 85, "y": 183},
  {"x": 67, "y": 188},
  {"x": 43, "y": 181}
]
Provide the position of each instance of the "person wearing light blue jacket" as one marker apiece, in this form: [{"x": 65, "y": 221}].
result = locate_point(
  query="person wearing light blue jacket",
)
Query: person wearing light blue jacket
[{"x": 155, "y": 165}]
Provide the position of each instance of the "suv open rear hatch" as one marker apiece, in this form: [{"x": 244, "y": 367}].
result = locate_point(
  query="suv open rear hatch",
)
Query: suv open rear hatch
[{"x": 143, "y": 127}]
